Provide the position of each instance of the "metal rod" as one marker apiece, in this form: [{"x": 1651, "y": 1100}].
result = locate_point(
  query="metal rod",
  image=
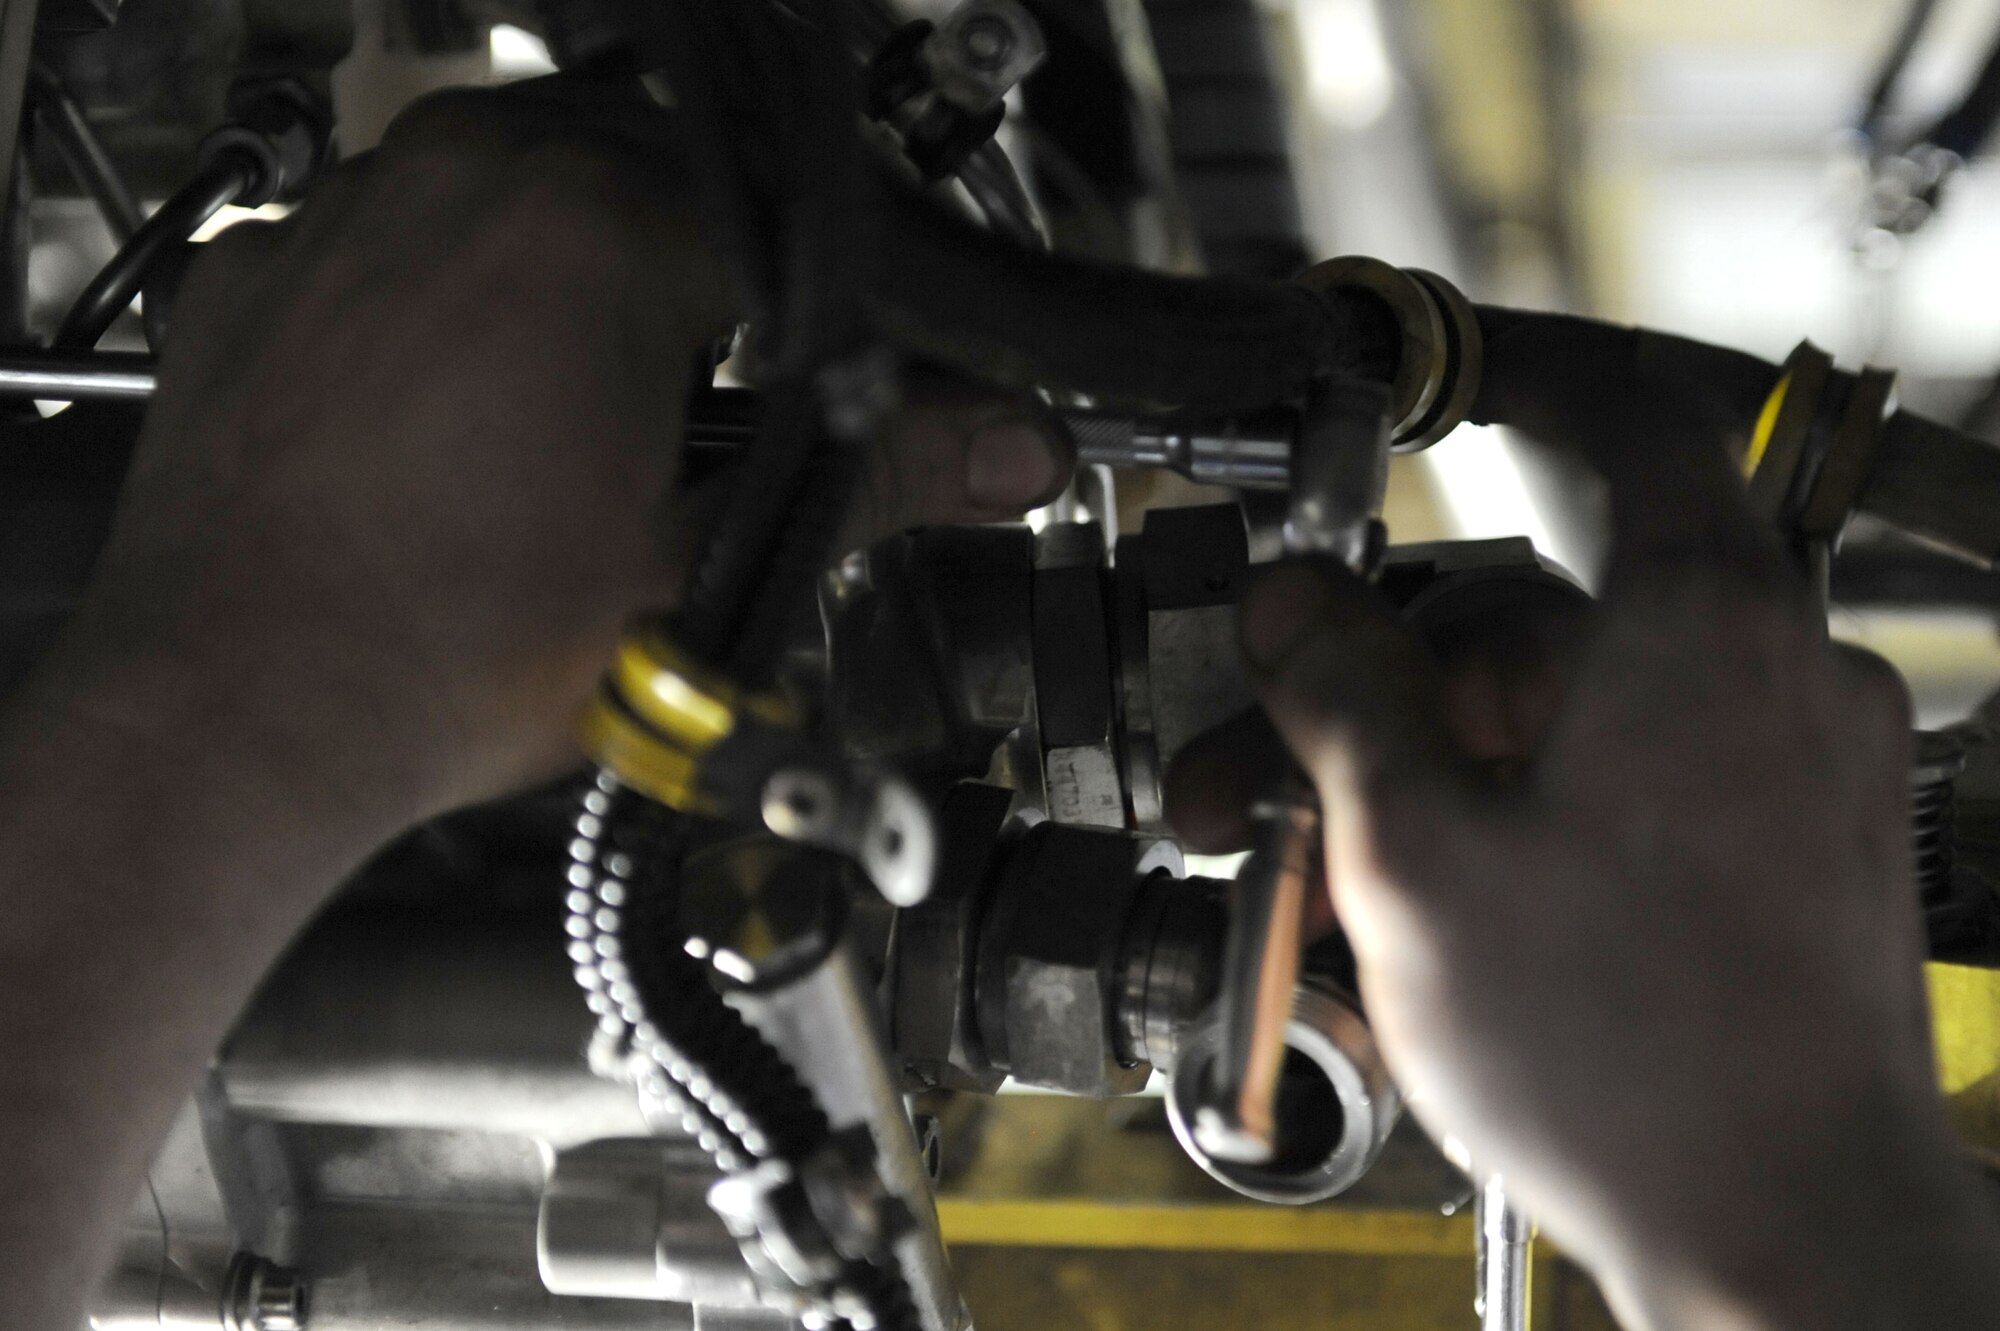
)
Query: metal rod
[
  {"x": 1260, "y": 972},
  {"x": 1504, "y": 1237},
  {"x": 73, "y": 376},
  {"x": 826, "y": 1023}
]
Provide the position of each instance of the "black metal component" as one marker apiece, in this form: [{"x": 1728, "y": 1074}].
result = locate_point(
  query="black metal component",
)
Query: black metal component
[{"x": 938, "y": 135}]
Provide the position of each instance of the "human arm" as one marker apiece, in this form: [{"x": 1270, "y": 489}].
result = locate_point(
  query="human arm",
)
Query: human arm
[
  {"x": 405, "y": 481},
  {"x": 1661, "y": 971}
]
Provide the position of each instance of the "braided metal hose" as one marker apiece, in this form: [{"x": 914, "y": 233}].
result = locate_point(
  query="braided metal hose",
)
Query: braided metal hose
[
  {"x": 699, "y": 1061},
  {"x": 730, "y": 1090}
]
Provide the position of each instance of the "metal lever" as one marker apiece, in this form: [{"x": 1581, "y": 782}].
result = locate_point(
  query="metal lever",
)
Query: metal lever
[
  {"x": 1339, "y": 468},
  {"x": 1260, "y": 969}
]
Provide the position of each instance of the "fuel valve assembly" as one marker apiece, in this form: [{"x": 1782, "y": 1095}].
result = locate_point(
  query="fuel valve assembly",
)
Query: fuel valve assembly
[{"x": 638, "y": 1049}]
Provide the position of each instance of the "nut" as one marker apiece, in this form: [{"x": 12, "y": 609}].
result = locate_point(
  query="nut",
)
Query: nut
[
  {"x": 1048, "y": 982},
  {"x": 931, "y": 1015}
]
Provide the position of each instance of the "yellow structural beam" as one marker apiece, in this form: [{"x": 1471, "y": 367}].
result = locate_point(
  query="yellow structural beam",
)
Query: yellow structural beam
[{"x": 1082, "y": 1223}]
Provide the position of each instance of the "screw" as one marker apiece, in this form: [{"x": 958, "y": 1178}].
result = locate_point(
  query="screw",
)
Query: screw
[{"x": 986, "y": 42}]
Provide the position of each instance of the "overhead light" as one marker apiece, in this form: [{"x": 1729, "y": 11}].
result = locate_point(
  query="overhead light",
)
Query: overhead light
[
  {"x": 517, "y": 53},
  {"x": 1349, "y": 80}
]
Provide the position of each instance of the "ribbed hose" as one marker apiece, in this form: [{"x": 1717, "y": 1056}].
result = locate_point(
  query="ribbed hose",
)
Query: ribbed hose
[
  {"x": 731, "y": 1091},
  {"x": 1933, "y": 803}
]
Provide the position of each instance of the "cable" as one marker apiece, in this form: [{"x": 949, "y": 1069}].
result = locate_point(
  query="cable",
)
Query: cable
[
  {"x": 1963, "y": 130},
  {"x": 83, "y": 153},
  {"x": 219, "y": 182}
]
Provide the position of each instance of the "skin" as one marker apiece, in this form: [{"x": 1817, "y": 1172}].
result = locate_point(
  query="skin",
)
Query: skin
[
  {"x": 1636, "y": 925},
  {"x": 404, "y": 483},
  {"x": 407, "y": 477}
]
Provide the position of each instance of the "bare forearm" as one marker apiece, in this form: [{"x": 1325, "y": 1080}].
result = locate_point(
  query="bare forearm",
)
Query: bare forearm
[
  {"x": 1910, "y": 1247},
  {"x": 156, "y": 851}
]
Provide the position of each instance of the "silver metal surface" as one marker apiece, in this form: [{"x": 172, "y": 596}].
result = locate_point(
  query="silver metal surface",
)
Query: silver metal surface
[
  {"x": 1504, "y": 1236},
  {"x": 1333, "y": 1124},
  {"x": 69, "y": 376},
  {"x": 631, "y": 1220},
  {"x": 827, "y": 1026},
  {"x": 407, "y": 1020},
  {"x": 1340, "y": 472},
  {"x": 1248, "y": 453},
  {"x": 1170, "y": 966}
]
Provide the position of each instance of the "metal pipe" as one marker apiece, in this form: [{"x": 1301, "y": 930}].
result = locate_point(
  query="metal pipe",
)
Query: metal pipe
[
  {"x": 76, "y": 376},
  {"x": 1335, "y": 1108},
  {"x": 83, "y": 152},
  {"x": 1504, "y": 1237},
  {"x": 826, "y": 1024}
]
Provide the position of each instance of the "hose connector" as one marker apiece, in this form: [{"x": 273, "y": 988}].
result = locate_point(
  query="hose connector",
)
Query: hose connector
[
  {"x": 1333, "y": 1111},
  {"x": 1440, "y": 353},
  {"x": 660, "y": 713}
]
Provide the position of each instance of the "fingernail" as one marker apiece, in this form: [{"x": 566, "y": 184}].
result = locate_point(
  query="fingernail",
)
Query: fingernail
[
  {"x": 1282, "y": 605},
  {"x": 1009, "y": 464}
]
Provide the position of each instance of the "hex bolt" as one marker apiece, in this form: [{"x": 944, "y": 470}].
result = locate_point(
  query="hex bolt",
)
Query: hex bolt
[{"x": 260, "y": 1295}]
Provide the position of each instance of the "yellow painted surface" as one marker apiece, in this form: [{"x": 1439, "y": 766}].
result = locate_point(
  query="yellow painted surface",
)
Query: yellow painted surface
[
  {"x": 1063, "y": 1223},
  {"x": 1965, "y": 1021}
]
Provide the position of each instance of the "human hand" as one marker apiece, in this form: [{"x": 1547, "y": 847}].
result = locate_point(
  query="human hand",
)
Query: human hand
[
  {"x": 1661, "y": 971},
  {"x": 411, "y": 466}
]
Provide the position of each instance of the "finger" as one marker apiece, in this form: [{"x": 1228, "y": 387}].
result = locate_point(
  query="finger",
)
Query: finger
[
  {"x": 1217, "y": 777},
  {"x": 958, "y": 453},
  {"x": 1358, "y": 699}
]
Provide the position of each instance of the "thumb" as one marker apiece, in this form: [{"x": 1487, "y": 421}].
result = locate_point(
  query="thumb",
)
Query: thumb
[{"x": 1359, "y": 700}]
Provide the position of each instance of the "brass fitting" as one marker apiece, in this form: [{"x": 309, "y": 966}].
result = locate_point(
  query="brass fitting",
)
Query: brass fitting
[
  {"x": 660, "y": 712},
  {"x": 1439, "y": 362}
]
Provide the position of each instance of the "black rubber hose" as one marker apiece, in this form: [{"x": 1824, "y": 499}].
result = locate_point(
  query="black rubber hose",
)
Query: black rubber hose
[
  {"x": 1965, "y": 128},
  {"x": 1882, "y": 91},
  {"x": 217, "y": 184},
  {"x": 83, "y": 153},
  {"x": 1015, "y": 316}
]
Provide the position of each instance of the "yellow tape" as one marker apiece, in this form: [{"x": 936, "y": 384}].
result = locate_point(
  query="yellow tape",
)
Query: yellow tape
[{"x": 1767, "y": 425}]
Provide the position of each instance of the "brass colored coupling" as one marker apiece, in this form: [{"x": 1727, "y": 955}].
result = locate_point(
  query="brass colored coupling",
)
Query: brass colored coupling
[
  {"x": 1439, "y": 363},
  {"x": 1815, "y": 442},
  {"x": 660, "y": 713}
]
